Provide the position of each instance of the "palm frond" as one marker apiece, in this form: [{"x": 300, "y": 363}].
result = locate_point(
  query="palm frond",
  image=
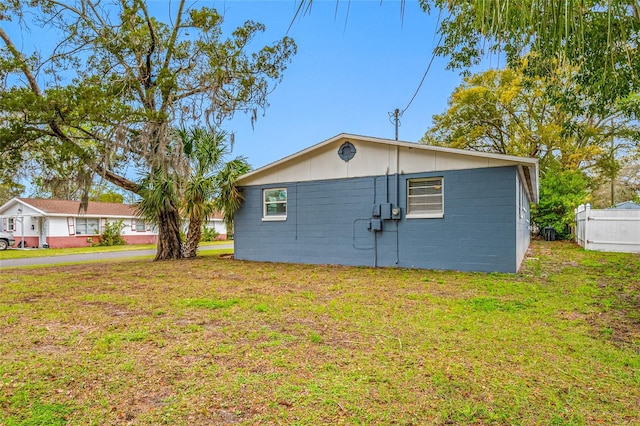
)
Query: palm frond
[{"x": 229, "y": 198}]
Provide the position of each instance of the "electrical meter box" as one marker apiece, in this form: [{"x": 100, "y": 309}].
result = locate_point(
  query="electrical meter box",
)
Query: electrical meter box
[
  {"x": 382, "y": 211},
  {"x": 375, "y": 225},
  {"x": 385, "y": 211},
  {"x": 396, "y": 213}
]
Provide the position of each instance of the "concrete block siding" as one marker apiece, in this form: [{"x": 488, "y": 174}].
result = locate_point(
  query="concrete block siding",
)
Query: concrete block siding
[{"x": 327, "y": 223}]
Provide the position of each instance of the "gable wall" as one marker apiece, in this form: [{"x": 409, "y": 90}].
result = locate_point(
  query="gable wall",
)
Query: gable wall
[
  {"x": 12, "y": 210},
  {"x": 371, "y": 159},
  {"x": 327, "y": 223}
]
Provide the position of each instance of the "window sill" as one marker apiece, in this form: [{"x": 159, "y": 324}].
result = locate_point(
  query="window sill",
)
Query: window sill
[
  {"x": 425, "y": 216},
  {"x": 274, "y": 219}
]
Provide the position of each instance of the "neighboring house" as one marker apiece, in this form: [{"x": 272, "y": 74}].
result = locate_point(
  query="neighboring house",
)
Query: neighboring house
[
  {"x": 214, "y": 222},
  {"x": 218, "y": 224},
  {"x": 628, "y": 205},
  {"x": 356, "y": 200},
  {"x": 61, "y": 223}
]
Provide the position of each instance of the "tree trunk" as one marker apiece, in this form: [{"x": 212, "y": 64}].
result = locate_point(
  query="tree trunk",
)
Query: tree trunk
[
  {"x": 229, "y": 226},
  {"x": 194, "y": 233},
  {"x": 169, "y": 244}
]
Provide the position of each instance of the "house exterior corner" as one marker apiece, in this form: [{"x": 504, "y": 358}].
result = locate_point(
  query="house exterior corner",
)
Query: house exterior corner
[{"x": 429, "y": 209}]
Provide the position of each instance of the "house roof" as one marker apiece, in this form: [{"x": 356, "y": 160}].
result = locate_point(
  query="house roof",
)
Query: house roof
[
  {"x": 528, "y": 167},
  {"x": 627, "y": 205},
  {"x": 50, "y": 207},
  {"x": 67, "y": 207}
]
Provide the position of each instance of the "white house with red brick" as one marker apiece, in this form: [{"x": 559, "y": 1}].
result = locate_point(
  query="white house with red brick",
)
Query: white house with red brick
[{"x": 61, "y": 223}]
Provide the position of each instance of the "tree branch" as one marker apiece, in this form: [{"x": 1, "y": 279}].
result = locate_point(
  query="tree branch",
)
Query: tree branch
[
  {"x": 23, "y": 63},
  {"x": 55, "y": 128}
]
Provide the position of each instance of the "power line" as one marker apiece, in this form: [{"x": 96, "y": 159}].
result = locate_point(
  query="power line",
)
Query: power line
[
  {"x": 424, "y": 76},
  {"x": 394, "y": 116}
]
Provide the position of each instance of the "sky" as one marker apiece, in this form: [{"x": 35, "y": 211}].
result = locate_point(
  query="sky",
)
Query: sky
[
  {"x": 357, "y": 61},
  {"x": 355, "y": 65}
]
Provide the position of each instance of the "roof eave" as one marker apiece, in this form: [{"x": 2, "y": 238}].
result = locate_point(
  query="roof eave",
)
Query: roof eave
[
  {"x": 523, "y": 161},
  {"x": 100, "y": 215},
  {"x": 16, "y": 200}
]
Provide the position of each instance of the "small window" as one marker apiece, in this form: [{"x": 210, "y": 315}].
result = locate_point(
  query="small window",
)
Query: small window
[
  {"x": 425, "y": 198},
  {"x": 12, "y": 225},
  {"x": 87, "y": 226},
  {"x": 275, "y": 204},
  {"x": 141, "y": 226}
]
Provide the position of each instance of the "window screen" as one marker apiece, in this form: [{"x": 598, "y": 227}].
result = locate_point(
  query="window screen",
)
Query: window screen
[{"x": 425, "y": 197}]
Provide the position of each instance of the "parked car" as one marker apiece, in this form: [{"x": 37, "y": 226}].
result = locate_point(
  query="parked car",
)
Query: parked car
[{"x": 6, "y": 240}]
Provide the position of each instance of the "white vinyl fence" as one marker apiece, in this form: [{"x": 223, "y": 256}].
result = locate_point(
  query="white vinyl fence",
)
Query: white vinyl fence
[{"x": 608, "y": 229}]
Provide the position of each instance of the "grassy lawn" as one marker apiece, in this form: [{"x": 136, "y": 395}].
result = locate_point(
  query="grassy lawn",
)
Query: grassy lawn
[
  {"x": 220, "y": 341},
  {"x": 14, "y": 253}
]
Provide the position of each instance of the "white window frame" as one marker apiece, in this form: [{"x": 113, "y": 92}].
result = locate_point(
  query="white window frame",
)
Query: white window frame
[
  {"x": 273, "y": 217},
  {"x": 425, "y": 215},
  {"x": 86, "y": 220},
  {"x": 71, "y": 224},
  {"x": 11, "y": 224},
  {"x": 140, "y": 226}
]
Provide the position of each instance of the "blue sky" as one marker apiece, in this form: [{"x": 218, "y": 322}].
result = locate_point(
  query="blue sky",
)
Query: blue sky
[
  {"x": 352, "y": 69},
  {"x": 357, "y": 61}
]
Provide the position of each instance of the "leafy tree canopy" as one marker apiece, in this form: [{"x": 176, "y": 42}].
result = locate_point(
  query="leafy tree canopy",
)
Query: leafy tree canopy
[
  {"x": 503, "y": 111},
  {"x": 119, "y": 79},
  {"x": 599, "y": 38},
  {"x": 8, "y": 192},
  {"x": 506, "y": 112}
]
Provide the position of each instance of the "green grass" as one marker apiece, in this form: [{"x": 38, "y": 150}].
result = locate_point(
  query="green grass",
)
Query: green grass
[
  {"x": 219, "y": 341},
  {"x": 208, "y": 303},
  {"x": 14, "y": 253}
]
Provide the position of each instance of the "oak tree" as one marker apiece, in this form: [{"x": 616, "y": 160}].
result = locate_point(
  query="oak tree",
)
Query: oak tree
[{"x": 119, "y": 79}]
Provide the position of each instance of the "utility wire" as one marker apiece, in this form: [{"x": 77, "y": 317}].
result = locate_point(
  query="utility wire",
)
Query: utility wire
[
  {"x": 424, "y": 76},
  {"x": 426, "y": 72},
  {"x": 394, "y": 117}
]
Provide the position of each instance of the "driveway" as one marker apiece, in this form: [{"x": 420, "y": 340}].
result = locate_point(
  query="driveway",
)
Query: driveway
[{"x": 51, "y": 260}]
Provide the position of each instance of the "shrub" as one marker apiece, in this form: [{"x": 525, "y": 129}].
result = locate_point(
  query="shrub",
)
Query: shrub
[
  {"x": 208, "y": 234},
  {"x": 561, "y": 191},
  {"x": 112, "y": 234}
]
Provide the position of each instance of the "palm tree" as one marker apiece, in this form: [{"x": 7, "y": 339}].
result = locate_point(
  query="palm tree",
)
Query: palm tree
[
  {"x": 204, "y": 153},
  {"x": 210, "y": 183},
  {"x": 159, "y": 205},
  {"x": 197, "y": 185}
]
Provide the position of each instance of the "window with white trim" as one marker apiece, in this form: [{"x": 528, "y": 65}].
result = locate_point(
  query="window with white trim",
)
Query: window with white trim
[
  {"x": 87, "y": 226},
  {"x": 274, "y": 206},
  {"x": 12, "y": 224},
  {"x": 425, "y": 198},
  {"x": 141, "y": 226}
]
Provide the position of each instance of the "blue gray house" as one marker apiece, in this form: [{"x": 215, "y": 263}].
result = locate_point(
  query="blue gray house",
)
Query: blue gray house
[{"x": 356, "y": 200}]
